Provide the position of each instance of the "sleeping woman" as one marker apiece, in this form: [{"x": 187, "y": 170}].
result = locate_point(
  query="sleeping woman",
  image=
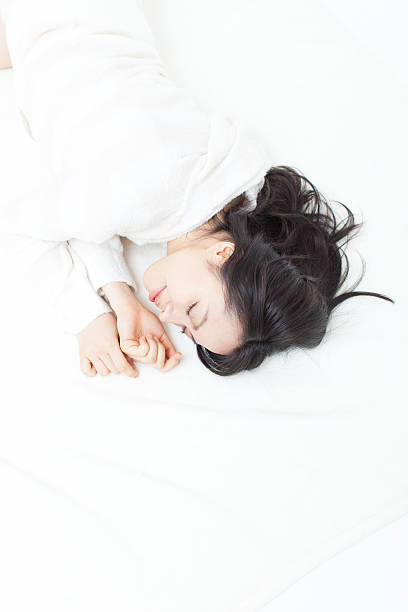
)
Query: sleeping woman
[{"x": 254, "y": 258}]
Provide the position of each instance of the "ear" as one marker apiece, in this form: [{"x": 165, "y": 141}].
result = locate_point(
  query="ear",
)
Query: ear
[{"x": 222, "y": 250}]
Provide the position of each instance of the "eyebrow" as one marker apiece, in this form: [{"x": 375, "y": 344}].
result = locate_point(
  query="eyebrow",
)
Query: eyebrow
[{"x": 196, "y": 327}]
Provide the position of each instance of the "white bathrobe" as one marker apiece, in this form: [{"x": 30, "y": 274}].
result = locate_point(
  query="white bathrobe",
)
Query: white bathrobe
[{"x": 130, "y": 152}]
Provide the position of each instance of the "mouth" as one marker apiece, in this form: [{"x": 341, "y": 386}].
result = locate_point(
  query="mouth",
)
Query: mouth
[{"x": 154, "y": 294}]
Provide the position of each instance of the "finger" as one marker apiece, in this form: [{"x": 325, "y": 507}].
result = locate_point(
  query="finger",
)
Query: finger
[
  {"x": 131, "y": 370},
  {"x": 152, "y": 355},
  {"x": 161, "y": 353},
  {"x": 87, "y": 367},
  {"x": 135, "y": 349},
  {"x": 124, "y": 364},
  {"x": 144, "y": 346},
  {"x": 108, "y": 361},
  {"x": 171, "y": 363},
  {"x": 168, "y": 345},
  {"x": 100, "y": 366}
]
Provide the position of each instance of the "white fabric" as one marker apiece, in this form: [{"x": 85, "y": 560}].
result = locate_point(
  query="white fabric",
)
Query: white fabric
[
  {"x": 131, "y": 153},
  {"x": 370, "y": 575},
  {"x": 187, "y": 491}
]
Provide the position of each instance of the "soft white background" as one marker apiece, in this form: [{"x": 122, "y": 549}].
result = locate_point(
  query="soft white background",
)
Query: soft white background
[{"x": 325, "y": 84}]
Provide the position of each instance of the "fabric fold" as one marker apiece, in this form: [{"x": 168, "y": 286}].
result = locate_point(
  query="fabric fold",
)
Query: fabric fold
[{"x": 130, "y": 152}]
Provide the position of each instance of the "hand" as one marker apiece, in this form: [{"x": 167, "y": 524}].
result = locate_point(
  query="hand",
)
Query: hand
[
  {"x": 99, "y": 348},
  {"x": 143, "y": 338}
]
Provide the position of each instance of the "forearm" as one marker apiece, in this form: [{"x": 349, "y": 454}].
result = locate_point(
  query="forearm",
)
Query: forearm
[{"x": 120, "y": 296}]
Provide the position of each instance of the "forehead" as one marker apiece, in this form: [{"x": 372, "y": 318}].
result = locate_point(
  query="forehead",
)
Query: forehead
[{"x": 221, "y": 333}]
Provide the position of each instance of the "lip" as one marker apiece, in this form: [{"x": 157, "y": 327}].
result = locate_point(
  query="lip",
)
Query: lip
[{"x": 153, "y": 294}]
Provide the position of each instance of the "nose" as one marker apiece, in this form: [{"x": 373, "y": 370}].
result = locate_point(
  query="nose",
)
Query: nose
[{"x": 168, "y": 315}]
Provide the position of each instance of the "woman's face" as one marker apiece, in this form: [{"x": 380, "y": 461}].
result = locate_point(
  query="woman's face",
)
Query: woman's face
[{"x": 188, "y": 282}]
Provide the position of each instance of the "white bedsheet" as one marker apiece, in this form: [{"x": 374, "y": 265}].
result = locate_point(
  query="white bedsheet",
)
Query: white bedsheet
[
  {"x": 188, "y": 491},
  {"x": 370, "y": 575}
]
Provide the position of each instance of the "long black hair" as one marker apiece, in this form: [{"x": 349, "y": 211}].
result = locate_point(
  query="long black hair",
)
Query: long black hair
[{"x": 281, "y": 280}]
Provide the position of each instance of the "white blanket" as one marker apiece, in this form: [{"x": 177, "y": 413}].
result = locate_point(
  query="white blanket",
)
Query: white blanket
[
  {"x": 187, "y": 491},
  {"x": 129, "y": 152}
]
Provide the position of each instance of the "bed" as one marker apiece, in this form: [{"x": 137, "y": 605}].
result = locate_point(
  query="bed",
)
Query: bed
[{"x": 264, "y": 492}]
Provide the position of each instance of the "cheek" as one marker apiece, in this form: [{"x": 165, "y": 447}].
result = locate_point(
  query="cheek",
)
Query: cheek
[
  {"x": 154, "y": 275},
  {"x": 183, "y": 276}
]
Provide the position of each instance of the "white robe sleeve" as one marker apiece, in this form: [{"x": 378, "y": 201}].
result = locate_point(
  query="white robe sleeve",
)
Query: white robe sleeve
[
  {"x": 78, "y": 303},
  {"x": 104, "y": 262},
  {"x": 58, "y": 280}
]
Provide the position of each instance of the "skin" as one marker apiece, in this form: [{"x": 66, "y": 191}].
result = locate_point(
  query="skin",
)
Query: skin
[
  {"x": 188, "y": 280},
  {"x": 106, "y": 345},
  {"x": 99, "y": 349}
]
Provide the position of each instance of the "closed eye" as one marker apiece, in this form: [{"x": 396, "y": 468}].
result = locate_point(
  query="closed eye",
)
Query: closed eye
[
  {"x": 191, "y": 308},
  {"x": 183, "y": 331}
]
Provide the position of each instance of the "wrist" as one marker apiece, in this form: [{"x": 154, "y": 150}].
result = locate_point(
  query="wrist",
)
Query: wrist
[{"x": 120, "y": 296}]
